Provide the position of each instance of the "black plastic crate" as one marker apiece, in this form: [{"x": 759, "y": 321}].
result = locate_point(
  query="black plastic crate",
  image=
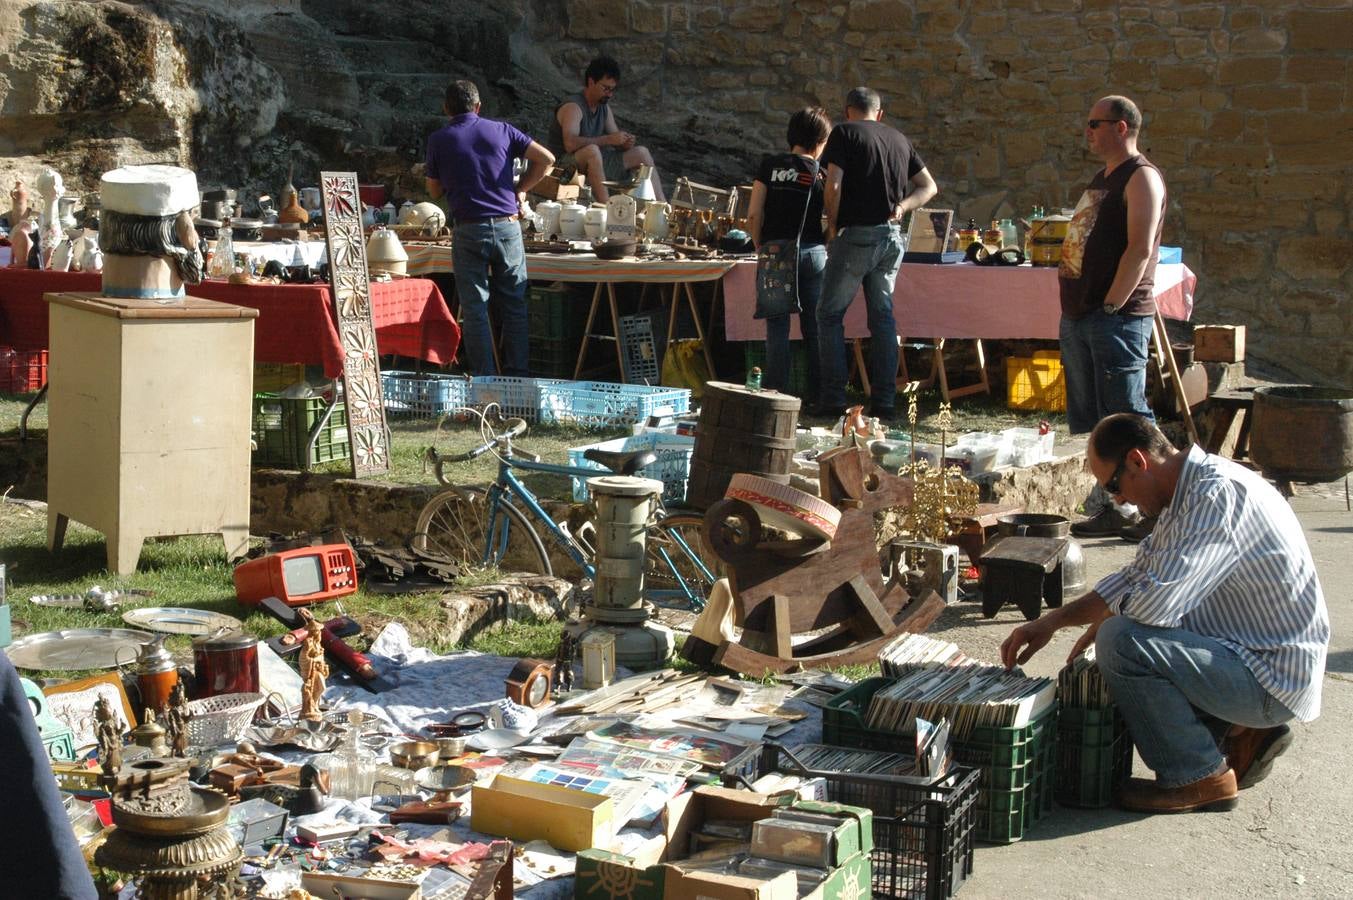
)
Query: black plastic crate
[
  {"x": 923, "y": 832},
  {"x": 1094, "y": 756}
]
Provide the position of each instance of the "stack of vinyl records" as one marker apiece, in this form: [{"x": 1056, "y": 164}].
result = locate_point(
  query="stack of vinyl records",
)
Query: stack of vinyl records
[
  {"x": 968, "y": 696},
  {"x": 1080, "y": 683},
  {"x": 911, "y": 650}
]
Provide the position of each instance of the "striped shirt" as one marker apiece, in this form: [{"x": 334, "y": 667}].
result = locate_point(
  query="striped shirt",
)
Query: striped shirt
[{"x": 1228, "y": 560}]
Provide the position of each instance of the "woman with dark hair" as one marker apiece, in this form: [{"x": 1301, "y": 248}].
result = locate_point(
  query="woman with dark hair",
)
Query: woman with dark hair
[{"x": 786, "y": 213}]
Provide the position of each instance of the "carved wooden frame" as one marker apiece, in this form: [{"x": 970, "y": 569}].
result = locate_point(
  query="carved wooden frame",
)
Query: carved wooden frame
[{"x": 368, "y": 434}]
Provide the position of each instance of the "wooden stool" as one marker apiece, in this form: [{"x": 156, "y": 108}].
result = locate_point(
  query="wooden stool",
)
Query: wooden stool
[
  {"x": 1231, "y": 404},
  {"x": 1023, "y": 570},
  {"x": 973, "y": 531}
]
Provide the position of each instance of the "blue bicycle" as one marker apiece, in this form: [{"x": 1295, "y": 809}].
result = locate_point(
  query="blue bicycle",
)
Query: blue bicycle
[{"x": 494, "y": 528}]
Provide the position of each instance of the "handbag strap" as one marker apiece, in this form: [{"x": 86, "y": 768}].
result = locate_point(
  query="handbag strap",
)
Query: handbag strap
[{"x": 808, "y": 201}]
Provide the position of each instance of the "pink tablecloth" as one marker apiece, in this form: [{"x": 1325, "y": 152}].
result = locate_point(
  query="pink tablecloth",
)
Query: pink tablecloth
[
  {"x": 958, "y": 301},
  {"x": 296, "y": 322}
]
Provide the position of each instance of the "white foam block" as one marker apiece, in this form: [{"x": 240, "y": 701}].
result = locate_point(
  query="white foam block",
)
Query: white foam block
[{"x": 148, "y": 190}]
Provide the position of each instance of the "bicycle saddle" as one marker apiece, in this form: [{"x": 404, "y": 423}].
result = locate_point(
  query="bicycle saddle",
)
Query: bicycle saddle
[{"x": 622, "y": 462}]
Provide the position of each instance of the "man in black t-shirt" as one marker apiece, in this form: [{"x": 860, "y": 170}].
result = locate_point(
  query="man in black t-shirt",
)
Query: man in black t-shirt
[{"x": 874, "y": 178}]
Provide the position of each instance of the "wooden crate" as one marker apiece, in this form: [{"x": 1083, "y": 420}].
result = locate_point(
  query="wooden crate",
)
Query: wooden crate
[{"x": 1219, "y": 343}]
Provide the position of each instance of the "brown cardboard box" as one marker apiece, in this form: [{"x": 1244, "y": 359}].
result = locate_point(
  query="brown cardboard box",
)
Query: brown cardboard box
[
  {"x": 552, "y": 188},
  {"x": 1219, "y": 343}
]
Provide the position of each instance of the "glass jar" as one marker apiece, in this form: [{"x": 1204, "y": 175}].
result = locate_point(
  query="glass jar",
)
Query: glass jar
[{"x": 352, "y": 767}]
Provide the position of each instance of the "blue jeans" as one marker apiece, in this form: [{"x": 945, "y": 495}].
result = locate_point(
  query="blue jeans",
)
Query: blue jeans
[
  {"x": 868, "y": 254},
  {"x": 812, "y": 262},
  {"x": 1179, "y": 691},
  {"x": 491, "y": 261},
  {"x": 1104, "y": 361}
]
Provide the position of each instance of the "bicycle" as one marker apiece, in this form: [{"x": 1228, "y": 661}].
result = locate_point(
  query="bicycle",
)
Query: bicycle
[{"x": 487, "y": 528}]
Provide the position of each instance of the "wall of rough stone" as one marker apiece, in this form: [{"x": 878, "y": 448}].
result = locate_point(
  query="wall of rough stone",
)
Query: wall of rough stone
[{"x": 1247, "y": 108}]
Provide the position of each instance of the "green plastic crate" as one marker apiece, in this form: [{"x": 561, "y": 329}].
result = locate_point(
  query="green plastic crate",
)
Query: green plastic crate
[
  {"x": 282, "y": 428},
  {"x": 551, "y": 358},
  {"x": 1094, "y": 756},
  {"x": 554, "y": 312}
]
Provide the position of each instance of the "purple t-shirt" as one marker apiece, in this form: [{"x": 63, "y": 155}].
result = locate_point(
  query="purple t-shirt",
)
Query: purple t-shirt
[{"x": 472, "y": 158}]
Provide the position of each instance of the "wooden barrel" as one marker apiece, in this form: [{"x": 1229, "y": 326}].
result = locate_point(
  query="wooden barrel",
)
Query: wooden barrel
[{"x": 740, "y": 431}]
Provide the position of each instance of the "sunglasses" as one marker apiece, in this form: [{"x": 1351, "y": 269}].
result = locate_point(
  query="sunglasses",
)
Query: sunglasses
[
  {"x": 1112, "y": 485},
  {"x": 1092, "y": 124}
]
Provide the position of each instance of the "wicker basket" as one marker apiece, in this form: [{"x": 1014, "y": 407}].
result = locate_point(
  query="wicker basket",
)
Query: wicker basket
[{"x": 216, "y": 720}]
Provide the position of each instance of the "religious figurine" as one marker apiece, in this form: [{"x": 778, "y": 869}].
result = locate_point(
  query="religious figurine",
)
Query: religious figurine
[
  {"x": 314, "y": 668},
  {"x": 150, "y": 247},
  {"x": 51, "y": 188},
  {"x": 176, "y": 716},
  {"x": 108, "y": 731}
]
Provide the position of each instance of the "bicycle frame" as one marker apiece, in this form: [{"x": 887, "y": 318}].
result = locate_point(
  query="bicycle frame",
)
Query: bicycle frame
[{"x": 498, "y": 530}]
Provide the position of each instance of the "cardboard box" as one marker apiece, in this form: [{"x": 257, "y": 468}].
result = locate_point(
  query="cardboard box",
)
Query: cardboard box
[
  {"x": 1219, "y": 343},
  {"x": 551, "y": 187},
  {"x": 655, "y": 872},
  {"x": 526, "y": 811},
  {"x": 328, "y": 884}
]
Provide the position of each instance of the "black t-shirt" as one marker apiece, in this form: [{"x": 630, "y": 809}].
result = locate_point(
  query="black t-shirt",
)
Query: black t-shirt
[
  {"x": 791, "y": 180},
  {"x": 878, "y": 163}
]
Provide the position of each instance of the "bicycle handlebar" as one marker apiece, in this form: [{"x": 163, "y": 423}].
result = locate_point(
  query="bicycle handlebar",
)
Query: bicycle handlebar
[{"x": 515, "y": 428}]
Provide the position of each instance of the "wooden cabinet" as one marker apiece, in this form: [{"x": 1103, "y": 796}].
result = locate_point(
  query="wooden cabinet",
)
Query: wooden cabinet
[{"x": 149, "y": 410}]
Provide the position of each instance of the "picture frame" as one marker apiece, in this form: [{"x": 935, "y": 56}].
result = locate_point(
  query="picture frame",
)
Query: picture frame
[
  {"x": 928, "y": 230},
  {"x": 72, "y": 704}
]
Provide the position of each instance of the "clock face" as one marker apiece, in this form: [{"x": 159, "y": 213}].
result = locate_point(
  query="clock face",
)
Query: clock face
[
  {"x": 537, "y": 689},
  {"x": 529, "y": 683}
]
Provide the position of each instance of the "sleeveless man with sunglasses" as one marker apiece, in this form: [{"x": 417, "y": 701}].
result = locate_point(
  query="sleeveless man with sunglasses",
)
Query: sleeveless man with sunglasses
[
  {"x": 1214, "y": 636},
  {"x": 1106, "y": 275}
]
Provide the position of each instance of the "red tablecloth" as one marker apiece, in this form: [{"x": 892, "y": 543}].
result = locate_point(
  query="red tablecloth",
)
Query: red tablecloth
[
  {"x": 958, "y": 301},
  {"x": 296, "y": 322}
]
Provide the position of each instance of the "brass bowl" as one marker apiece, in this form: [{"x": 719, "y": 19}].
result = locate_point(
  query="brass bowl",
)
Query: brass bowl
[{"x": 414, "y": 754}]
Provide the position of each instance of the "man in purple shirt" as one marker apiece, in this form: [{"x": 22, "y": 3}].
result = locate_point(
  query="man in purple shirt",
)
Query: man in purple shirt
[{"x": 470, "y": 161}]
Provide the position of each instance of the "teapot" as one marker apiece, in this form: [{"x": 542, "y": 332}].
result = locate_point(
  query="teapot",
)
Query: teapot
[
  {"x": 655, "y": 220},
  {"x": 406, "y": 214}
]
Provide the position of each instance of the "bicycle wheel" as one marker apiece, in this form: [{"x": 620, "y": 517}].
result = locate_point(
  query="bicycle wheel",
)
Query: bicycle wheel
[
  {"x": 455, "y": 524},
  {"x": 679, "y": 568}
]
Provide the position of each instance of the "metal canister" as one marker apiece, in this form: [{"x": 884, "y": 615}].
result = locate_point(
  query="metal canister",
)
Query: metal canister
[
  {"x": 156, "y": 674},
  {"x": 225, "y": 664}
]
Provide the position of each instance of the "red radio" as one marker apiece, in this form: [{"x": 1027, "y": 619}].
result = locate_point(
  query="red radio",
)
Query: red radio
[{"x": 298, "y": 577}]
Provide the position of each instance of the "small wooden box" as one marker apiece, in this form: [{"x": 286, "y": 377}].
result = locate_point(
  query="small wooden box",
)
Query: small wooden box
[
  {"x": 552, "y": 188},
  {"x": 1219, "y": 343}
]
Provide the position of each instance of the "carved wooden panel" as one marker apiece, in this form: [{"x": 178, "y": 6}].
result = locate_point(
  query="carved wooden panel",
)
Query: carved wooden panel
[{"x": 368, "y": 435}]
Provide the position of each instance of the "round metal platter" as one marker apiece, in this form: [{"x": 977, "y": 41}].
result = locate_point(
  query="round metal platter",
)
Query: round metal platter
[
  {"x": 179, "y": 620},
  {"x": 443, "y": 777},
  {"x": 77, "y": 648}
]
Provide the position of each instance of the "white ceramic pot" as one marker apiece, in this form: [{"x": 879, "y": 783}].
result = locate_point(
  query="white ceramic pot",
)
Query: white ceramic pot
[
  {"x": 571, "y": 221},
  {"x": 384, "y": 252},
  {"x": 655, "y": 220},
  {"x": 547, "y": 212},
  {"x": 594, "y": 222}
]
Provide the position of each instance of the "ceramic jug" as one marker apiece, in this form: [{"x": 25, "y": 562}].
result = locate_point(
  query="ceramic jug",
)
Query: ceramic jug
[
  {"x": 310, "y": 198},
  {"x": 571, "y": 221},
  {"x": 548, "y": 214},
  {"x": 594, "y": 223},
  {"x": 655, "y": 220},
  {"x": 368, "y": 216}
]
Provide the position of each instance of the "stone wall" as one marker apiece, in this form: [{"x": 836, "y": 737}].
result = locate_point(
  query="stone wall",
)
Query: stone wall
[
  {"x": 1247, "y": 111},
  {"x": 1247, "y": 106}
]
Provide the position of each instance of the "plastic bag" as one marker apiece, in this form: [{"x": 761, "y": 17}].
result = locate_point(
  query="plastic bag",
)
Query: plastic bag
[{"x": 683, "y": 366}]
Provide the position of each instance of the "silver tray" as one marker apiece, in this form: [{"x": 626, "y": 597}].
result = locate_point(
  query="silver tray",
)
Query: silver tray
[
  {"x": 180, "y": 620},
  {"x": 77, "y": 648}
]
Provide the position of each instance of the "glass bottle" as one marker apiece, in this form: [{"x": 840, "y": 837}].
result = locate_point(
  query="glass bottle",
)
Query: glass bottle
[
  {"x": 352, "y": 768},
  {"x": 1031, "y": 230},
  {"x": 223, "y": 256},
  {"x": 1009, "y": 238},
  {"x": 753, "y": 379}
]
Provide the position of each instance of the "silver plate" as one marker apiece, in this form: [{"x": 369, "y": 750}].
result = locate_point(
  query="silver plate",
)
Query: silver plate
[
  {"x": 179, "y": 620},
  {"x": 78, "y": 648}
]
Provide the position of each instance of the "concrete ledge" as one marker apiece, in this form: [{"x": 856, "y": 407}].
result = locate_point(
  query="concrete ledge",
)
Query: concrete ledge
[{"x": 467, "y": 612}]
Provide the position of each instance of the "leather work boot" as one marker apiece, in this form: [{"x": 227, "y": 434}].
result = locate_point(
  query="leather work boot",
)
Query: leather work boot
[
  {"x": 1135, "y": 534},
  {"x": 1214, "y": 793},
  {"x": 1108, "y": 522},
  {"x": 1251, "y": 751}
]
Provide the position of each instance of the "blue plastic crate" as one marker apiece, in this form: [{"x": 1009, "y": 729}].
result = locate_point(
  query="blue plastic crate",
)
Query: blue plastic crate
[
  {"x": 423, "y": 395},
  {"x": 600, "y": 403},
  {"x": 516, "y": 397},
  {"x": 672, "y": 468}
]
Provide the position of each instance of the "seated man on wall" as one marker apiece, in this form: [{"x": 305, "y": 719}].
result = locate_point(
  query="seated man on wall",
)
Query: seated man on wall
[{"x": 584, "y": 136}]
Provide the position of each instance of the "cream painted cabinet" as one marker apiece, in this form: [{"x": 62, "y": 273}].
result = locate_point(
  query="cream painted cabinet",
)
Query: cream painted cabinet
[{"x": 148, "y": 420}]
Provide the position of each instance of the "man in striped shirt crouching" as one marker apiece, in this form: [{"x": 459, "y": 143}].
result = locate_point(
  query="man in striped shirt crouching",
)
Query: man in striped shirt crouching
[{"x": 1214, "y": 636}]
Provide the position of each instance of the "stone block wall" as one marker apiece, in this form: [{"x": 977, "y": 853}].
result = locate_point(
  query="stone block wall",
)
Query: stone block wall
[{"x": 1246, "y": 103}]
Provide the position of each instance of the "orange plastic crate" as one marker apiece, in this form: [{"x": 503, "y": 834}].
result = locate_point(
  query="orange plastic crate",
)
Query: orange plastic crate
[
  {"x": 22, "y": 371},
  {"x": 1037, "y": 382}
]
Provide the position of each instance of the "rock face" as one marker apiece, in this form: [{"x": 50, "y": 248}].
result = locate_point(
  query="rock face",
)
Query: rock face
[{"x": 1246, "y": 103}]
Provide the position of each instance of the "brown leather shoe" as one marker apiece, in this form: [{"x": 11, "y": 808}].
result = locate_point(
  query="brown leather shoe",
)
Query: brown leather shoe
[
  {"x": 1213, "y": 793},
  {"x": 1136, "y": 533},
  {"x": 1251, "y": 751}
]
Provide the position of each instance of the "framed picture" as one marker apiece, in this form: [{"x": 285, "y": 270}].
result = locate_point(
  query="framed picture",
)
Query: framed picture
[
  {"x": 72, "y": 704},
  {"x": 929, "y": 230}
]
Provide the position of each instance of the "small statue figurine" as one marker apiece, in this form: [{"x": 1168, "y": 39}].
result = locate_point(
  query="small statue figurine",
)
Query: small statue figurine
[
  {"x": 564, "y": 656},
  {"x": 314, "y": 668},
  {"x": 108, "y": 731},
  {"x": 52, "y": 188},
  {"x": 176, "y": 716}
]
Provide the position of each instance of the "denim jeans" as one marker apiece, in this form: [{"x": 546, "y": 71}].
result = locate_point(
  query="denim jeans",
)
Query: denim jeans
[
  {"x": 1104, "y": 360},
  {"x": 868, "y": 254},
  {"x": 1179, "y": 691},
  {"x": 812, "y": 262},
  {"x": 490, "y": 262}
]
